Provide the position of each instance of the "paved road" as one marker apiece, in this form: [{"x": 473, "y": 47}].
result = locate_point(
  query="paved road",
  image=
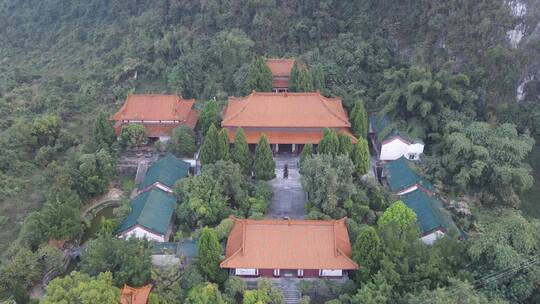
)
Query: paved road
[{"x": 289, "y": 198}]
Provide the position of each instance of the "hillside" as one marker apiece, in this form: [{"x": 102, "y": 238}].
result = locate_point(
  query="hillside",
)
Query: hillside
[{"x": 65, "y": 62}]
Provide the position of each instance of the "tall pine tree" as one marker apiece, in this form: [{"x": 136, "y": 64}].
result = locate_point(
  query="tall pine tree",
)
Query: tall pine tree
[
  {"x": 345, "y": 144},
  {"x": 359, "y": 120},
  {"x": 264, "y": 165},
  {"x": 259, "y": 76},
  {"x": 240, "y": 153},
  {"x": 300, "y": 79},
  {"x": 329, "y": 144},
  {"x": 209, "y": 149},
  {"x": 367, "y": 251},
  {"x": 319, "y": 82},
  {"x": 306, "y": 152},
  {"x": 209, "y": 256},
  {"x": 223, "y": 145},
  {"x": 210, "y": 114},
  {"x": 104, "y": 136},
  {"x": 360, "y": 156}
]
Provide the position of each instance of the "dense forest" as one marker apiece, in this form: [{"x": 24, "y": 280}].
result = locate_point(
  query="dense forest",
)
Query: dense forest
[{"x": 460, "y": 74}]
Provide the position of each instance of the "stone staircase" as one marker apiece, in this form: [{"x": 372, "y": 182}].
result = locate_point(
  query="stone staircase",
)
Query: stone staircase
[{"x": 291, "y": 290}]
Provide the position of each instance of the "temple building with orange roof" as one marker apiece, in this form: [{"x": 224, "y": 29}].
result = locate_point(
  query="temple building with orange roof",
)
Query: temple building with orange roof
[
  {"x": 133, "y": 295},
  {"x": 158, "y": 113},
  {"x": 281, "y": 72},
  {"x": 289, "y": 120},
  {"x": 289, "y": 248}
]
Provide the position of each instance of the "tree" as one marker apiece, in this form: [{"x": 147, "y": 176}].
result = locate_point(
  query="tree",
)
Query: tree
[
  {"x": 507, "y": 240},
  {"x": 458, "y": 292},
  {"x": 360, "y": 157},
  {"x": 477, "y": 155},
  {"x": 209, "y": 256},
  {"x": 367, "y": 252},
  {"x": 399, "y": 214},
  {"x": 266, "y": 293},
  {"x": 209, "y": 115},
  {"x": 240, "y": 153},
  {"x": 167, "y": 285},
  {"x": 329, "y": 184},
  {"x": 319, "y": 82},
  {"x": 182, "y": 142},
  {"x": 264, "y": 166},
  {"x": 79, "y": 288},
  {"x": 133, "y": 135},
  {"x": 104, "y": 135},
  {"x": 345, "y": 144},
  {"x": 202, "y": 201},
  {"x": 359, "y": 120},
  {"x": 21, "y": 268},
  {"x": 223, "y": 145},
  {"x": 256, "y": 297},
  {"x": 46, "y": 129},
  {"x": 209, "y": 149},
  {"x": 128, "y": 260},
  {"x": 205, "y": 294},
  {"x": 206, "y": 199},
  {"x": 300, "y": 79},
  {"x": 60, "y": 216},
  {"x": 378, "y": 291},
  {"x": 91, "y": 173},
  {"x": 259, "y": 77},
  {"x": 231, "y": 181},
  {"x": 234, "y": 288},
  {"x": 329, "y": 144},
  {"x": 417, "y": 97},
  {"x": 307, "y": 152}
]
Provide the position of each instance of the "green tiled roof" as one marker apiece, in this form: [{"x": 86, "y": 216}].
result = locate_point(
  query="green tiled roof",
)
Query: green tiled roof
[
  {"x": 167, "y": 171},
  {"x": 152, "y": 209},
  {"x": 185, "y": 248},
  {"x": 429, "y": 214},
  {"x": 188, "y": 249},
  {"x": 400, "y": 176}
]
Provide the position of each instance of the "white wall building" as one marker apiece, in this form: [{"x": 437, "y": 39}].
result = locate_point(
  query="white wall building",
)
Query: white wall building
[{"x": 396, "y": 146}]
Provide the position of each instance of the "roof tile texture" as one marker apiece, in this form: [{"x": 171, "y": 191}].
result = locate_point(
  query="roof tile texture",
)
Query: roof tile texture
[
  {"x": 132, "y": 295},
  {"x": 167, "y": 170},
  {"x": 152, "y": 210},
  {"x": 155, "y": 107},
  {"x": 280, "y": 66},
  {"x": 285, "y": 110},
  {"x": 289, "y": 244}
]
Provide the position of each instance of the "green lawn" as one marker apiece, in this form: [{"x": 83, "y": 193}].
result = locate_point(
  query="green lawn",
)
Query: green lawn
[{"x": 530, "y": 200}]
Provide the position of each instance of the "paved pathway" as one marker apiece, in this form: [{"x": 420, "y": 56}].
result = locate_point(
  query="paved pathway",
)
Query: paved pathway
[
  {"x": 114, "y": 194},
  {"x": 288, "y": 197}
]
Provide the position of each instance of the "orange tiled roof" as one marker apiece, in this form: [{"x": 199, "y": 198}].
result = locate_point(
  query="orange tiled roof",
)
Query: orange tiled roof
[
  {"x": 154, "y": 107},
  {"x": 132, "y": 295},
  {"x": 289, "y": 244},
  {"x": 306, "y": 110},
  {"x": 287, "y": 137},
  {"x": 280, "y": 66}
]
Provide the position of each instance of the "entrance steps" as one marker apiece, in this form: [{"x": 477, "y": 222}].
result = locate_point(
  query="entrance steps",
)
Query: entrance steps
[{"x": 290, "y": 289}]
